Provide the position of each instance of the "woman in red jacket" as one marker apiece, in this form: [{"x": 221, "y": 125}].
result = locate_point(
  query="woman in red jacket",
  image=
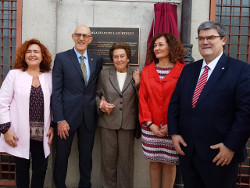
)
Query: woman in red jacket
[{"x": 158, "y": 81}]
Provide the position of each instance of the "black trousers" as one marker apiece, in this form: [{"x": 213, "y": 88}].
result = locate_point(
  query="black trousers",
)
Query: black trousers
[
  {"x": 63, "y": 149},
  {"x": 39, "y": 167},
  {"x": 198, "y": 173}
]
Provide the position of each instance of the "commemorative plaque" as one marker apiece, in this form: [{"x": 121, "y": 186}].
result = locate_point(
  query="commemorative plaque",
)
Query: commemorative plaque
[{"x": 104, "y": 37}]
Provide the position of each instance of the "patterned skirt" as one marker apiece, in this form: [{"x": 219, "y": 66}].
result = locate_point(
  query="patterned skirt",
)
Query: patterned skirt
[{"x": 158, "y": 149}]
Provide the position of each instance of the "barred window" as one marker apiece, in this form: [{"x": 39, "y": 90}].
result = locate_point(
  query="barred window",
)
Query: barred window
[
  {"x": 10, "y": 28},
  {"x": 7, "y": 170},
  {"x": 235, "y": 15}
]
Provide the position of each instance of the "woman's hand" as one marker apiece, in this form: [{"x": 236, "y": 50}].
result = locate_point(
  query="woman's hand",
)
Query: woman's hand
[
  {"x": 136, "y": 76},
  {"x": 50, "y": 134},
  {"x": 164, "y": 129},
  {"x": 11, "y": 138},
  {"x": 157, "y": 131},
  {"x": 105, "y": 106}
]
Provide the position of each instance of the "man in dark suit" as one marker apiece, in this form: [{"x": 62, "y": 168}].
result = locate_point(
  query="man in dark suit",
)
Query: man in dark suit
[
  {"x": 209, "y": 113},
  {"x": 74, "y": 79}
]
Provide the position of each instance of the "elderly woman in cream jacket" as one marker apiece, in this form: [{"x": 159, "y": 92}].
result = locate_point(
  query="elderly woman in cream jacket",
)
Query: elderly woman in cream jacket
[{"x": 25, "y": 114}]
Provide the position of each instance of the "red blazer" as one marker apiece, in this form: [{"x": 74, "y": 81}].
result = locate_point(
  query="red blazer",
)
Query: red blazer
[{"x": 155, "y": 94}]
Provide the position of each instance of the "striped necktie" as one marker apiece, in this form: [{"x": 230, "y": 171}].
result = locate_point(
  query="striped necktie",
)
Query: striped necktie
[
  {"x": 84, "y": 69},
  {"x": 200, "y": 85}
]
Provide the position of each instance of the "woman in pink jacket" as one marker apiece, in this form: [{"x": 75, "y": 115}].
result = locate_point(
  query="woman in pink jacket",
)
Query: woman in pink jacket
[
  {"x": 25, "y": 114},
  {"x": 158, "y": 81}
]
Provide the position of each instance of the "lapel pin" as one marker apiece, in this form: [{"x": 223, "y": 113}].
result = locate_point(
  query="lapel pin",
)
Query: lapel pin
[
  {"x": 223, "y": 68},
  {"x": 91, "y": 59}
]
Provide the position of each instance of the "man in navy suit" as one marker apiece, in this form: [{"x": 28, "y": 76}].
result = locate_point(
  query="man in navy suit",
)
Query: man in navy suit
[
  {"x": 210, "y": 134},
  {"x": 74, "y": 105}
]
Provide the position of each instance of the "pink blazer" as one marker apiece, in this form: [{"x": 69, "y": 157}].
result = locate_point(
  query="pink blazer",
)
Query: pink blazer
[{"x": 14, "y": 108}]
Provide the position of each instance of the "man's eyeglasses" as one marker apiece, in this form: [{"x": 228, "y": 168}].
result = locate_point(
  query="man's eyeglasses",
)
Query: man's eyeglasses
[
  {"x": 208, "y": 38},
  {"x": 85, "y": 36}
]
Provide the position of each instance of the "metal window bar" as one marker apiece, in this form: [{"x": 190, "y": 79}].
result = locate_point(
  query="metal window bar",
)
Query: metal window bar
[
  {"x": 10, "y": 29},
  {"x": 238, "y": 46},
  {"x": 244, "y": 171},
  {"x": 7, "y": 170}
]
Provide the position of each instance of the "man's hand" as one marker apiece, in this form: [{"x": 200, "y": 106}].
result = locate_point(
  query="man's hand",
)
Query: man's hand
[
  {"x": 50, "y": 134},
  {"x": 11, "y": 138},
  {"x": 225, "y": 155},
  {"x": 105, "y": 106},
  {"x": 177, "y": 141},
  {"x": 63, "y": 129}
]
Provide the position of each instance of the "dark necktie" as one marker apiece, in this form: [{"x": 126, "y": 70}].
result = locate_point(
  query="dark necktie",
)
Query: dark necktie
[
  {"x": 200, "y": 85},
  {"x": 84, "y": 69}
]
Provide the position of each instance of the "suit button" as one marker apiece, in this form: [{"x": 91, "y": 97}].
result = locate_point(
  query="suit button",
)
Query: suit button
[
  {"x": 120, "y": 109},
  {"x": 120, "y": 102}
]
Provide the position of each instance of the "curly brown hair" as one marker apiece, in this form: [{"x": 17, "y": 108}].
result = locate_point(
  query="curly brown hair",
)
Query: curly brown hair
[
  {"x": 176, "y": 49},
  {"x": 120, "y": 45},
  {"x": 45, "y": 65}
]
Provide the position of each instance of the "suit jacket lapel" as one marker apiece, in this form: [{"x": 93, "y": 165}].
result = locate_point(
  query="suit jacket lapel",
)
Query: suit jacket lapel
[
  {"x": 75, "y": 62},
  {"x": 113, "y": 80},
  {"x": 128, "y": 78},
  {"x": 92, "y": 64},
  {"x": 174, "y": 73},
  {"x": 153, "y": 74},
  {"x": 214, "y": 77}
]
